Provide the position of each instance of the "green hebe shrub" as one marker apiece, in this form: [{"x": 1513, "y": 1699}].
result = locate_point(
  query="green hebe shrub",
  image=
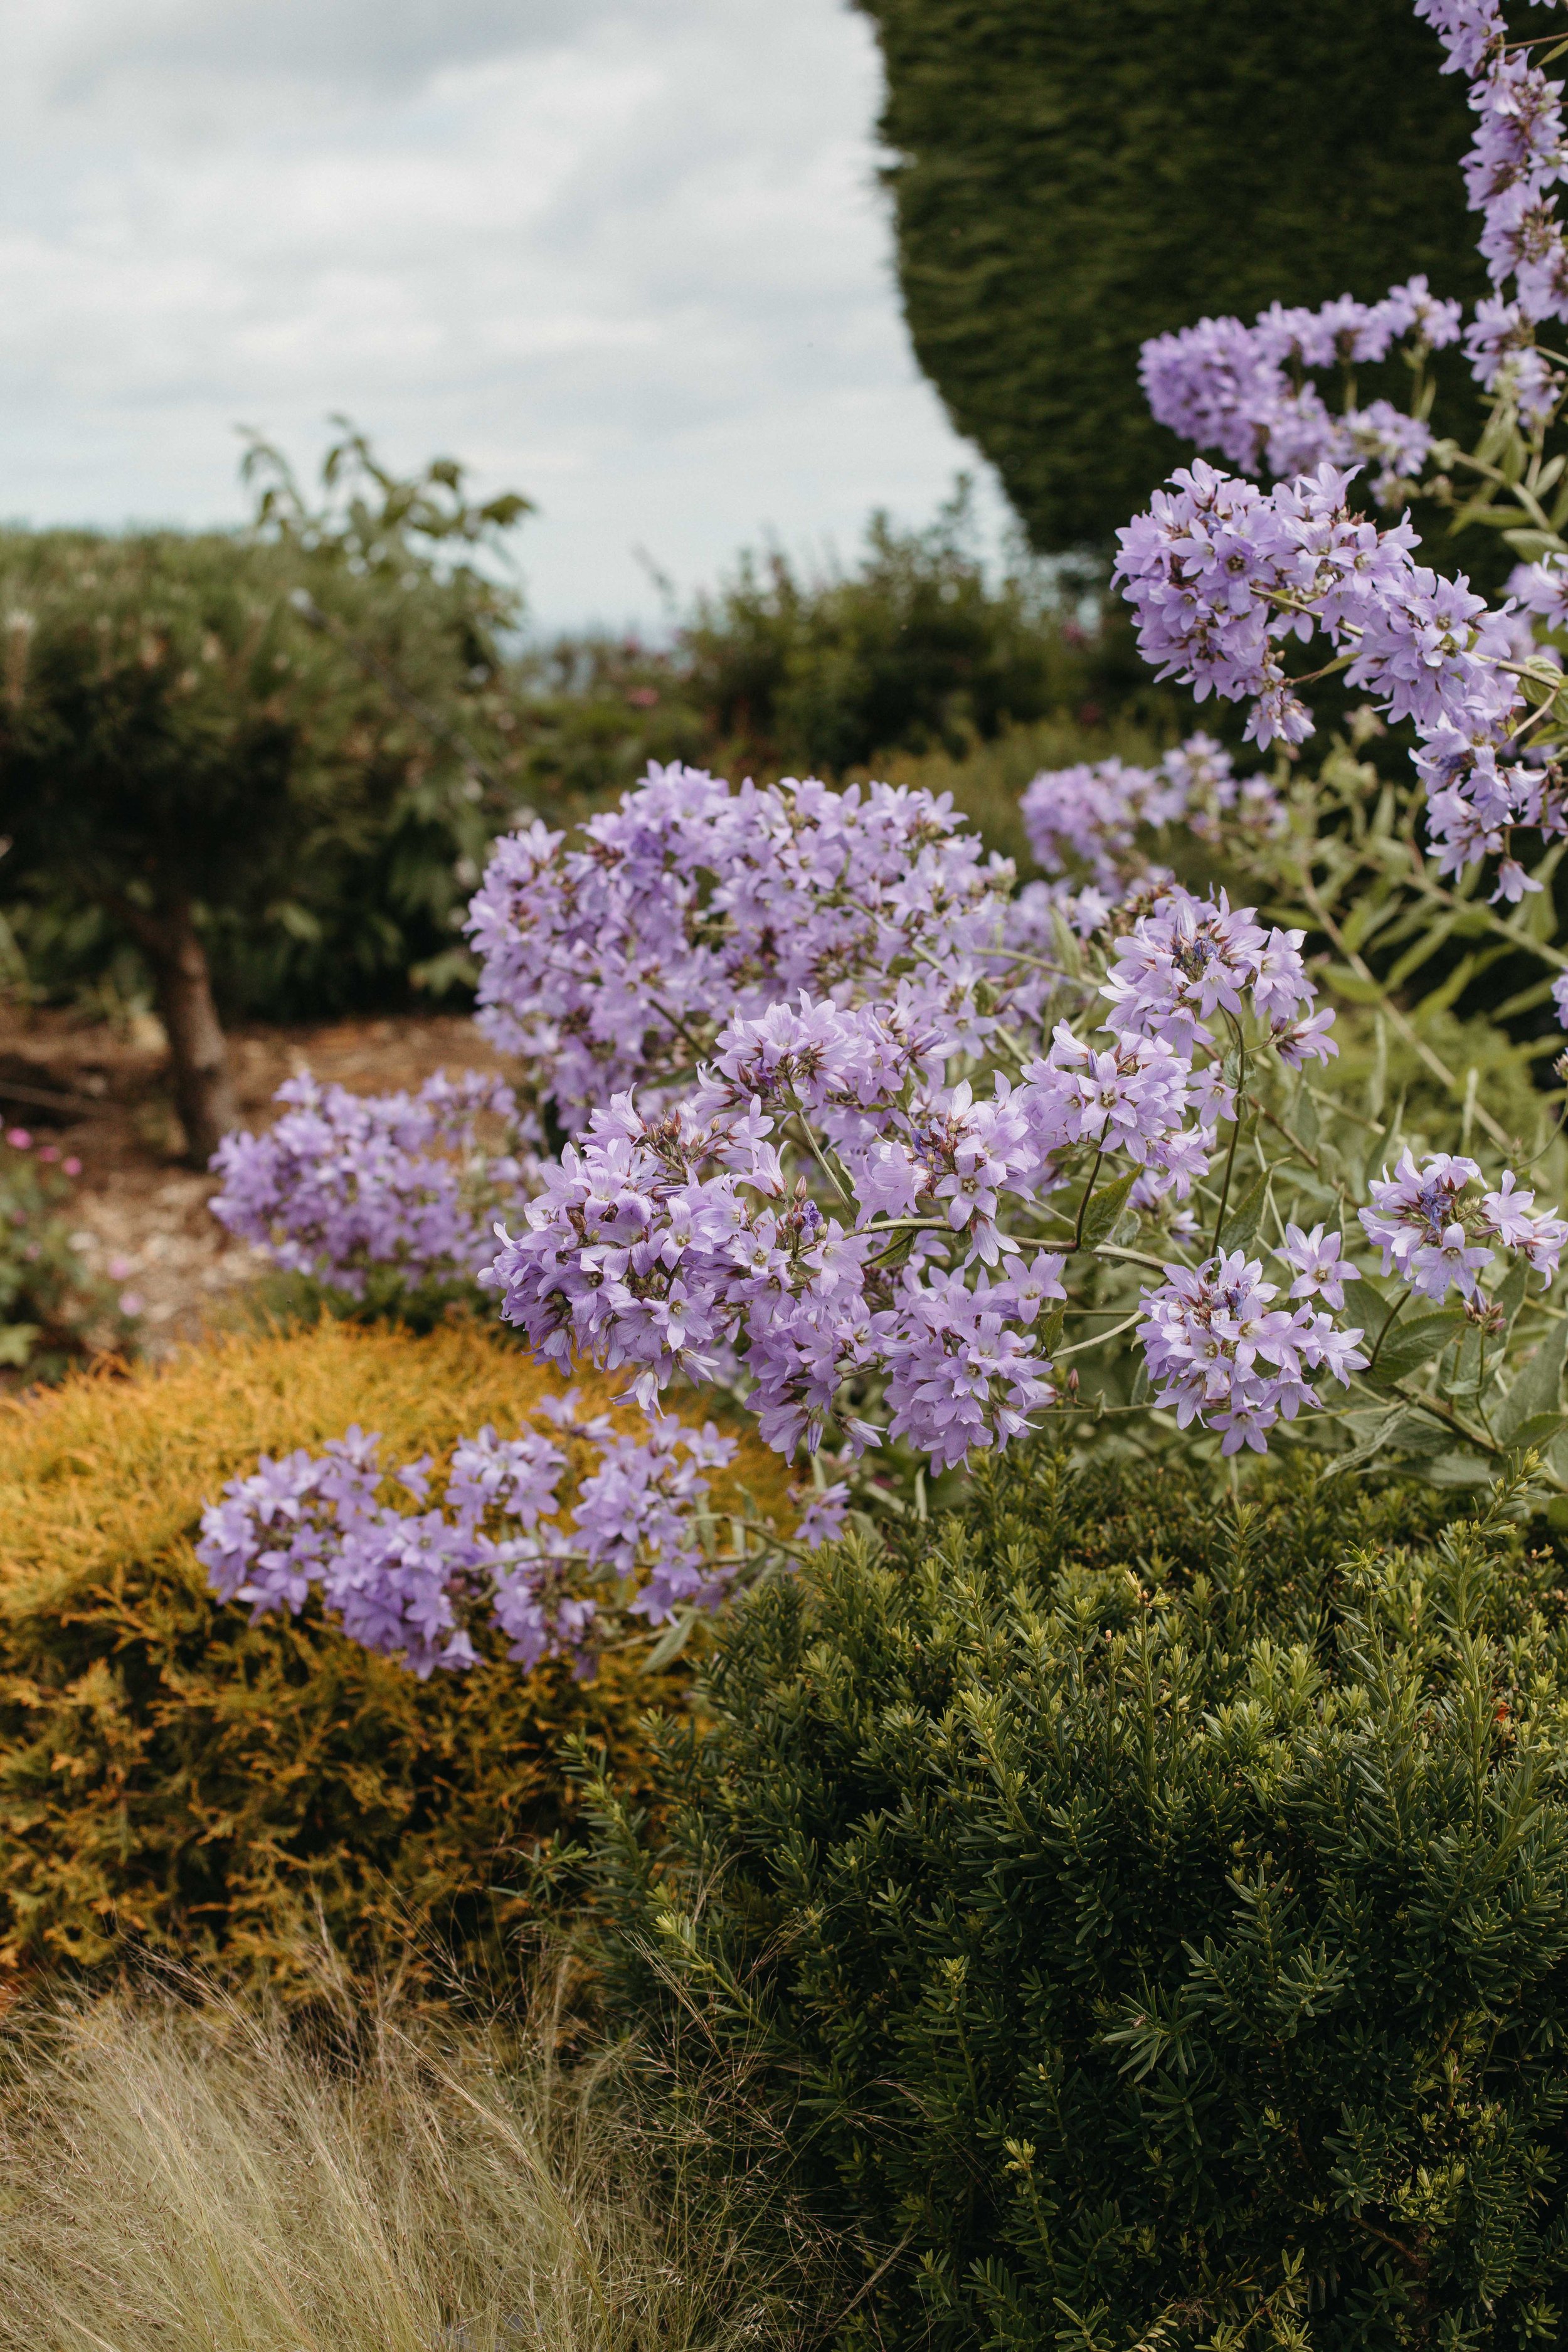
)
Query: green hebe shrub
[{"x": 1150, "y": 1912}]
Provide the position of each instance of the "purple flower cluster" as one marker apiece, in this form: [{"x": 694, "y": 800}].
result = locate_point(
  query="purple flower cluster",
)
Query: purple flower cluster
[
  {"x": 1437, "y": 1237},
  {"x": 1513, "y": 167},
  {"x": 1222, "y": 574},
  {"x": 1189, "y": 959},
  {"x": 408, "y": 1581},
  {"x": 670, "y": 1240},
  {"x": 1245, "y": 391},
  {"x": 1092, "y": 815},
  {"x": 1220, "y": 1352},
  {"x": 345, "y": 1181},
  {"x": 1242, "y": 390},
  {"x": 612, "y": 965}
]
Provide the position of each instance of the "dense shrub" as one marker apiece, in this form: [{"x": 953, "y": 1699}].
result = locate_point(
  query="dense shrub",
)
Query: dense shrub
[
  {"x": 1155, "y": 1911},
  {"x": 917, "y": 647},
  {"x": 173, "y": 1776},
  {"x": 249, "y": 759},
  {"x": 1068, "y": 181}
]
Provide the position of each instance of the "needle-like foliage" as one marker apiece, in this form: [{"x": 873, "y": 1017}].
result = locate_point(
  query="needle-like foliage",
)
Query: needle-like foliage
[{"x": 1155, "y": 1913}]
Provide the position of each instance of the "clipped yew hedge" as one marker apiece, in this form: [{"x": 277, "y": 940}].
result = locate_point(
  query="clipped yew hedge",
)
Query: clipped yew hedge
[
  {"x": 173, "y": 1777},
  {"x": 1149, "y": 1918}
]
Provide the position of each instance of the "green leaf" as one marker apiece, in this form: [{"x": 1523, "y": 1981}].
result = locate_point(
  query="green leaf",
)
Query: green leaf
[
  {"x": 1373, "y": 1441},
  {"x": 1241, "y": 1225},
  {"x": 1051, "y": 1331},
  {"x": 1539, "y": 1387},
  {"x": 1410, "y": 1345},
  {"x": 1421, "y": 1434},
  {"x": 672, "y": 1641},
  {"x": 1346, "y": 983},
  {"x": 1104, "y": 1209},
  {"x": 1459, "y": 1469},
  {"x": 1539, "y": 1430},
  {"x": 1427, "y": 945},
  {"x": 1511, "y": 1292},
  {"x": 16, "y": 1342}
]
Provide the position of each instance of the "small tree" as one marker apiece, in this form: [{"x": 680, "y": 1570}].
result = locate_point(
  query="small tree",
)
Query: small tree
[{"x": 201, "y": 733}]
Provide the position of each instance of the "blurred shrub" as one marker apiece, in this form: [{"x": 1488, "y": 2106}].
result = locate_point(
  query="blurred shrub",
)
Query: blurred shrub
[
  {"x": 987, "y": 780},
  {"x": 916, "y": 649},
  {"x": 255, "y": 773},
  {"x": 170, "y": 1775},
  {"x": 265, "y": 763},
  {"x": 1154, "y": 1913},
  {"x": 54, "y": 1310}
]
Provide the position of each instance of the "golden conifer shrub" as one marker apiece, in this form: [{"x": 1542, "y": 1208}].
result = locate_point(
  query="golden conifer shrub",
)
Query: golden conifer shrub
[{"x": 173, "y": 1776}]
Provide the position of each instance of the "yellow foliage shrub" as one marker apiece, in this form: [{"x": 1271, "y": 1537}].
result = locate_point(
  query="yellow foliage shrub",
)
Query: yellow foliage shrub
[{"x": 173, "y": 1776}]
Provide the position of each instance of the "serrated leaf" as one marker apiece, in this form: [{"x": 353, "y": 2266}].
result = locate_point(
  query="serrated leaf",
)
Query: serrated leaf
[
  {"x": 1410, "y": 1345},
  {"x": 1241, "y": 1225},
  {"x": 1539, "y": 1387},
  {"x": 1103, "y": 1210},
  {"x": 1051, "y": 1331}
]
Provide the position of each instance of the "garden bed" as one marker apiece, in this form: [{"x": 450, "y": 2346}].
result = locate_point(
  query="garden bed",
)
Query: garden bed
[{"x": 100, "y": 1091}]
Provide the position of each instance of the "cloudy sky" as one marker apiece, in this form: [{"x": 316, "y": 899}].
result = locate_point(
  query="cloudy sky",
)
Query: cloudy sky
[{"x": 627, "y": 255}]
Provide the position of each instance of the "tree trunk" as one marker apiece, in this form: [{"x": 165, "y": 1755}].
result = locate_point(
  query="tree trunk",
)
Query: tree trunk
[{"x": 198, "y": 1057}]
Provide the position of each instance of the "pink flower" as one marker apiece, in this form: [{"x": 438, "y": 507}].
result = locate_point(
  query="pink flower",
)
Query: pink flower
[{"x": 18, "y": 1138}]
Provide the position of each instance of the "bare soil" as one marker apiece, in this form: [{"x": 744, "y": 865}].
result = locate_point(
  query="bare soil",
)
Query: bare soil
[{"x": 139, "y": 1214}]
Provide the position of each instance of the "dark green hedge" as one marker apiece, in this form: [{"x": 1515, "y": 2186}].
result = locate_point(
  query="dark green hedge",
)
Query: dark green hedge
[
  {"x": 1069, "y": 180},
  {"x": 1150, "y": 1916}
]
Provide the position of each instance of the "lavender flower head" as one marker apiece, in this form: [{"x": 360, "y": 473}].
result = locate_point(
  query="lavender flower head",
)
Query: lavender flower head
[
  {"x": 1437, "y": 1233},
  {"x": 1220, "y": 1352},
  {"x": 524, "y": 1523},
  {"x": 344, "y": 1181}
]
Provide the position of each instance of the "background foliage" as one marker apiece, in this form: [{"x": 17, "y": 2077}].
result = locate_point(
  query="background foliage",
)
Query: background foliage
[
  {"x": 1068, "y": 181},
  {"x": 1152, "y": 1911},
  {"x": 208, "y": 717},
  {"x": 322, "y": 784}
]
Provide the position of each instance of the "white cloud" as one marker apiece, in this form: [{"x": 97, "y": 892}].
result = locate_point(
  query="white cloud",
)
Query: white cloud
[{"x": 628, "y": 254}]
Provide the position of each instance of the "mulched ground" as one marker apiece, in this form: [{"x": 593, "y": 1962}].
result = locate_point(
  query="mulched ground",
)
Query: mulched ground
[{"x": 140, "y": 1215}]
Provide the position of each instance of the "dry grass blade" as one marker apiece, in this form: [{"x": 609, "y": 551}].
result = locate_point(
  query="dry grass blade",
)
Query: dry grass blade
[{"x": 182, "y": 2177}]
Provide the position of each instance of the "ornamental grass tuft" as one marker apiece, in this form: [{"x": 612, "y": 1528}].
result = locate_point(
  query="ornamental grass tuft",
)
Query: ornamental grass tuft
[{"x": 182, "y": 2175}]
